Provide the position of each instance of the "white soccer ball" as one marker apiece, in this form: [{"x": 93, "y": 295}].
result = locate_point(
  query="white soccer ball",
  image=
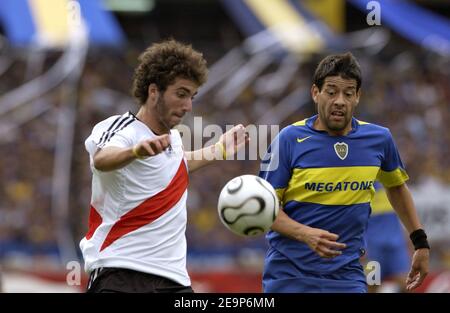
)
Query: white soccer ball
[{"x": 248, "y": 205}]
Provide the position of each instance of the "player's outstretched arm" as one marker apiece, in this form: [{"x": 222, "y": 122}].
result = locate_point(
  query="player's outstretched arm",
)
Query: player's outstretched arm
[
  {"x": 113, "y": 158},
  {"x": 402, "y": 202},
  {"x": 228, "y": 145},
  {"x": 320, "y": 241}
]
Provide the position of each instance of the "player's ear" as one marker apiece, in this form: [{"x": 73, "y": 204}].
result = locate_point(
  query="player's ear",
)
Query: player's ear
[
  {"x": 153, "y": 92},
  {"x": 315, "y": 93},
  {"x": 358, "y": 95}
]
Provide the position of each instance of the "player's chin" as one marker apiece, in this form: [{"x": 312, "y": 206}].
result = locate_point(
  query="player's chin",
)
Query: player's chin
[
  {"x": 175, "y": 120},
  {"x": 336, "y": 125}
]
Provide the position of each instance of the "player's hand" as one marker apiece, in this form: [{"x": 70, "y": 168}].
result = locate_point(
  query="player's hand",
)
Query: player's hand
[
  {"x": 419, "y": 269},
  {"x": 153, "y": 146},
  {"x": 234, "y": 139},
  {"x": 323, "y": 242}
]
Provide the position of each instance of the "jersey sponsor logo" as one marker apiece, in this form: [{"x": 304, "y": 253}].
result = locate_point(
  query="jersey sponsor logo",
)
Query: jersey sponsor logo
[
  {"x": 299, "y": 140},
  {"x": 332, "y": 185},
  {"x": 339, "y": 186},
  {"x": 341, "y": 149}
]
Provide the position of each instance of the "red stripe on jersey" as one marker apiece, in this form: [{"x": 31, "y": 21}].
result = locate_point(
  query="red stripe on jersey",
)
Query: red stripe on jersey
[
  {"x": 150, "y": 209},
  {"x": 95, "y": 220}
]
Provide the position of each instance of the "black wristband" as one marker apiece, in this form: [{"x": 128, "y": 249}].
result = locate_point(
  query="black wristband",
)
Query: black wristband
[{"x": 419, "y": 239}]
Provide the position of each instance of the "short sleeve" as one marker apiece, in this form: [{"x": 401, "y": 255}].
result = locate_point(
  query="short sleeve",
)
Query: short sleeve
[
  {"x": 104, "y": 134},
  {"x": 121, "y": 139},
  {"x": 392, "y": 172},
  {"x": 275, "y": 166}
]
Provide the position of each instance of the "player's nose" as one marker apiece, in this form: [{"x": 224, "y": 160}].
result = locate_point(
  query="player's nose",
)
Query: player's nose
[
  {"x": 340, "y": 100},
  {"x": 187, "y": 105}
]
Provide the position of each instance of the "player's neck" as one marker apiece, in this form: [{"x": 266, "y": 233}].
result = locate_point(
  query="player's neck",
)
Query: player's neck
[
  {"x": 152, "y": 121},
  {"x": 319, "y": 125}
]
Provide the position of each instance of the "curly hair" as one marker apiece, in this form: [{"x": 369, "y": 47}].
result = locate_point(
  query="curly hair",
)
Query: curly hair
[{"x": 162, "y": 63}]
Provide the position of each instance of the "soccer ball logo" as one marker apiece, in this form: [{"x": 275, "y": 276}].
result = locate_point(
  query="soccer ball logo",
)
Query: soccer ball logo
[{"x": 248, "y": 205}]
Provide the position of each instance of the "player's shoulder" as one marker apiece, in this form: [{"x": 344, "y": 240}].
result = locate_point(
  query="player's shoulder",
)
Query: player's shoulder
[
  {"x": 298, "y": 129},
  {"x": 124, "y": 124},
  {"x": 295, "y": 127},
  {"x": 299, "y": 123},
  {"x": 371, "y": 128},
  {"x": 106, "y": 122},
  {"x": 116, "y": 121}
]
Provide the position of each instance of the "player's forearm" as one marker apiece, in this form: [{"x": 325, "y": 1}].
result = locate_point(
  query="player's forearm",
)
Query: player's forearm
[
  {"x": 287, "y": 227},
  {"x": 402, "y": 202},
  {"x": 113, "y": 158},
  {"x": 200, "y": 158}
]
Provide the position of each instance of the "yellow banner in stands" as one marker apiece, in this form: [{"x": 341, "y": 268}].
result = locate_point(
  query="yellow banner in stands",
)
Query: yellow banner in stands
[
  {"x": 51, "y": 21},
  {"x": 330, "y": 11},
  {"x": 287, "y": 24}
]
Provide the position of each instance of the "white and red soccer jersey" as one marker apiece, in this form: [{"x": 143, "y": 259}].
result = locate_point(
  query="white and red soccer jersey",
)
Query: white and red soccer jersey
[{"x": 137, "y": 217}]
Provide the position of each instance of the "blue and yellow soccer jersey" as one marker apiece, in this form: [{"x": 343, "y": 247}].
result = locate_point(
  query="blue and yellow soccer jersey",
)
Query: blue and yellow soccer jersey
[
  {"x": 380, "y": 203},
  {"x": 327, "y": 182}
]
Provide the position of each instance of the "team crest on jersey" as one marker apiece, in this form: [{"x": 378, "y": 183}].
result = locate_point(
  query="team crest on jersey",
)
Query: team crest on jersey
[{"x": 341, "y": 149}]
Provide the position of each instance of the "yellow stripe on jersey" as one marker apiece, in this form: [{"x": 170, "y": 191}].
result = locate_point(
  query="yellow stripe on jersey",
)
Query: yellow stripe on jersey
[
  {"x": 362, "y": 122},
  {"x": 280, "y": 193},
  {"x": 380, "y": 203},
  {"x": 393, "y": 178},
  {"x": 332, "y": 185},
  {"x": 300, "y": 123}
]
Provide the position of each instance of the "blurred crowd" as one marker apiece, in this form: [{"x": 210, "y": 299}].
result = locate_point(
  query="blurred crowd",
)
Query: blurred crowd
[{"x": 408, "y": 92}]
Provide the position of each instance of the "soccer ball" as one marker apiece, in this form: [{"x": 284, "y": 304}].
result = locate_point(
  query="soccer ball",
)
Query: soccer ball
[{"x": 248, "y": 205}]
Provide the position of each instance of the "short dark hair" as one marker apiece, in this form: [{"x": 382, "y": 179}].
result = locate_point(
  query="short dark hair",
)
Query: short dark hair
[
  {"x": 344, "y": 65},
  {"x": 162, "y": 63}
]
